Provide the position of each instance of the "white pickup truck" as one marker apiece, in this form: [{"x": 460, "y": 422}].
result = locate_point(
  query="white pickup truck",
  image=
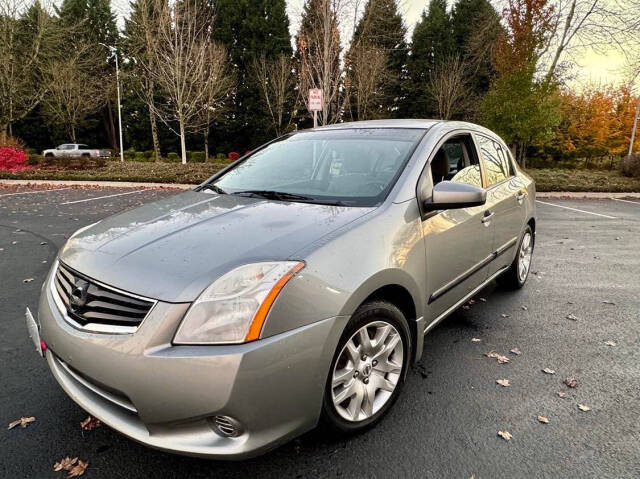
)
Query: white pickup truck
[{"x": 76, "y": 150}]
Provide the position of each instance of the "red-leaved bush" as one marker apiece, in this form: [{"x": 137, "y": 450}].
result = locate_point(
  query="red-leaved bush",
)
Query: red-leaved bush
[
  {"x": 234, "y": 155},
  {"x": 13, "y": 160}
]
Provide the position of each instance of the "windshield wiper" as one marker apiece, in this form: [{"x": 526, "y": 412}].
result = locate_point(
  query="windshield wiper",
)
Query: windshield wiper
[
  {"x": 212, "y": 187},
  {"x": 273, "y": 195}
]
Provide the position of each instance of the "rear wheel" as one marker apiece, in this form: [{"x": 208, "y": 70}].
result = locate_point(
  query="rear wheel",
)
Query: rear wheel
[
  {"x": 518, "y": 272},
  {"x": 368, "y": 368}
]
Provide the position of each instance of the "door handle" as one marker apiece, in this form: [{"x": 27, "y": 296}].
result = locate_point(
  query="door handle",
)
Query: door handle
[
  {"x": 520, "y": 197},
  {"x": 486, "y": 219}
]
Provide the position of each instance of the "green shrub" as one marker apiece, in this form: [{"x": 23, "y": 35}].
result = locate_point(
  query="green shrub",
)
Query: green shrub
[
  {"x": 34, "y": 160},
  {"x": 630, "y": 165},
  {"x": 140, "y": 156},
  {"x": 150, "y": 155},
  {"x": 221, "y": 157},
  {"x": 129, "y": 154},
  {"x": 197, "y": 157},
  {"x": 173, "y": 157}
]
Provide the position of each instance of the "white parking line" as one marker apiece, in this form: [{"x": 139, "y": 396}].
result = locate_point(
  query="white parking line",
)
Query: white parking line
[
  {"x": 576, "y": 209},
  {"x": 627, "y": 201},
  {"x": 30, "y": 192},
  {"x": 101, "y": 197}
]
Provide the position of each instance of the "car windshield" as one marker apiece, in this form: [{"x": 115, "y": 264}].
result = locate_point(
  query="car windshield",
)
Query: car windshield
[{"x": 351, "y": 167}]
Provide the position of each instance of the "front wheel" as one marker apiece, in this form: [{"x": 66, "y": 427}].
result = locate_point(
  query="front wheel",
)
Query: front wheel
[
  {"x": 518, "y": 272},
  {"x": 368, "y": 367}
]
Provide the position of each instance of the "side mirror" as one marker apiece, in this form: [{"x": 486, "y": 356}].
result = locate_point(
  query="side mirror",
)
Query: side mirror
[{"x": 451, "y": 194}]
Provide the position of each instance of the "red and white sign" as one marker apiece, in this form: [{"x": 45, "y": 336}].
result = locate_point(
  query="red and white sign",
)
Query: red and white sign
[{"x": 315, "y": 99}]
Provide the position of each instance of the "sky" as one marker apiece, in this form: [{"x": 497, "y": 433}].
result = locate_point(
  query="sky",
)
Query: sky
[{"x": 591, "y": 68}]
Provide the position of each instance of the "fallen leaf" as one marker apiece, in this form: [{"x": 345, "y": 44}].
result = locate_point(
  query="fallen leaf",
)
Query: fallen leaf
[
  {"x": 484, "y": 300},
  {"x": 494, "y": 355},
  {"x": 572, "y": 317},
  {"x": 65, "y": 464},
  {"x": 504, "y": 315},
  {"x": 27, "y": 280},
  {"x": 90, "y": 423},
  {"x": 472, "y": 301},
  {"x": 524, "y": 308},
  {"x": 43, "y": 243},
  {"x": 14, "y": 242},
  {"x": 78, "y": 469},
  {"x": 465, "y": 307},
  {"x": 543, "y": 419},
  {"x": 503, "y": 382},
  {"x": 22, "y": 422},
  {"x": 506, "y": 435},
  {"x": 610, "y": 343},
  {"x": 516, "y": 351},
  {"x": 608, "y": 302},
  {"x": 561, "y": 394},
  {"x": 571, "y": 382},
  {"x": 582, "y": 407},
  {"x": 476, "y": 340},
  {"x": 548, "y": 371}
]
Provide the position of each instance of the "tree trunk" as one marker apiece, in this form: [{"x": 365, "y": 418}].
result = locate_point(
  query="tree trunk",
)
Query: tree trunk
[
  {"x": 111, "y": 127},
  {"x": 183, "y": 146},
  {"x": 73, "y": 133},
  {"x": 206, "y": 144},
  {"x": 154, "y": 135}
]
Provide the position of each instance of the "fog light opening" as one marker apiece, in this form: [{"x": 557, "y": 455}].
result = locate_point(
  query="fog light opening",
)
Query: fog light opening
[{"x": 226, "y": 426}]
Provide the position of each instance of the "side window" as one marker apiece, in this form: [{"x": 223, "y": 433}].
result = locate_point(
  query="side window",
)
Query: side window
[
  {"x": 454, "y": 161},
  {"x": 496, "y": 165}
]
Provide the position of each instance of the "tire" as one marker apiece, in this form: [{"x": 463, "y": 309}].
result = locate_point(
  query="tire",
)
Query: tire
[
  {"x": 363, "y": 379},
  {"x": 515, "y": 277}
]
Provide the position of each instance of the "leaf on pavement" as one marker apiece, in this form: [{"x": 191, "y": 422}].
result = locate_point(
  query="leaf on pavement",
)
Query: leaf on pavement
[
  {"x": 516, "y": 351},
  {"x": 471, "y": 301},
  {"x": 476, "y": 340},
  {"x": 606, "y": 301},
  {"x": 78, "y": 469},
  {"x": 561, "y": 394},
  {"x": 583, "y": 407},
  {"x": 572, "y": 317},
  {"x": 543, "y": 419},
  {"x": 43, "y": 243},
  {"x": 494, "y": 355},
  {"x": 65, "y": 464},
  {"x": 466, "y": 307},
  {"x": 27, "y": 280},
  {"x": 504, "y": 315},
  {"x": 90, "y": 423},
  {"x": 506, "y": 435},
  {"x": 484, "y": 300},
  {"x": 610, "y": 343},
  {"x": 22, "y": 422},
  {"x": 548, "y": 371},
  {"x": 524, "y": 308},
  {"x": 503, "y": 382},
  {"x": 571, "y": 382}
]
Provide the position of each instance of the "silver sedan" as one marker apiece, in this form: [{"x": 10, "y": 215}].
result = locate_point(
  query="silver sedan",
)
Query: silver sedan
[{"x": 293, "y": 287}]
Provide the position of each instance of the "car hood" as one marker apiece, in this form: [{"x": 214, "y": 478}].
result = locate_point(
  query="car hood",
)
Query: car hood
[{"x": 174, "y": 248}]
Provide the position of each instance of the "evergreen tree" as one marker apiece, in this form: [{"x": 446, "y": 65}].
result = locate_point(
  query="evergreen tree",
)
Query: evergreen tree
[
  {"x": 249, "y": 29},
  {"x": 432, "y": 45},
  {"x": 382, "y": 28},
  {"x": 476, "y": 23}
]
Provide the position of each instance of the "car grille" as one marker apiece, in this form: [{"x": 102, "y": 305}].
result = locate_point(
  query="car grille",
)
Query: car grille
[{"x": 88, "y": 302}]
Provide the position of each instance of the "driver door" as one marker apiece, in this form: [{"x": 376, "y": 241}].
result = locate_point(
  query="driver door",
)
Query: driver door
[{"x": 458, "y": 242}]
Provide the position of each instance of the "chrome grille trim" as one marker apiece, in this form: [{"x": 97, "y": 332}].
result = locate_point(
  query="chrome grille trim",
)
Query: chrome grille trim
[{"x": 107, "y": 309}]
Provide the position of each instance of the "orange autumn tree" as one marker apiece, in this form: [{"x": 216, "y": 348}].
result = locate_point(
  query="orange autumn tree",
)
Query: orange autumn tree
[{"x": 596, "y": 122}]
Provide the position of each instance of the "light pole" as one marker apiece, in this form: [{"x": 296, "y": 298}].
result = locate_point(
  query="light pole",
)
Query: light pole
[{"x": 114, "y": 51}]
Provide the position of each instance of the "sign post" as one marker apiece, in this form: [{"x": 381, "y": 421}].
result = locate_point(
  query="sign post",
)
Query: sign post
[{"x": 315, "y": 104}]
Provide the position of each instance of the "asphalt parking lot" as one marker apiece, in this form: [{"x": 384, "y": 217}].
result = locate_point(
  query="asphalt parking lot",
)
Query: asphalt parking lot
[{"x": 586, "y": 264}]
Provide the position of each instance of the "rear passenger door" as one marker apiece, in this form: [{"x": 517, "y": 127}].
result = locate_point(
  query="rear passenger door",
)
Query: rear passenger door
[{"x": 505, "y": 200}]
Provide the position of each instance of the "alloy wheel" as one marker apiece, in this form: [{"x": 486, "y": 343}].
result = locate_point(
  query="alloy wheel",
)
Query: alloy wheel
[
  {"x": 367, "y": 371},
  {"x": 524, "y": 256}
]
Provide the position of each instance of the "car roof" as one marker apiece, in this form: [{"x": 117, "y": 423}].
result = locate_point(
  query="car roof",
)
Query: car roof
[{"x": 408, "y": 123}]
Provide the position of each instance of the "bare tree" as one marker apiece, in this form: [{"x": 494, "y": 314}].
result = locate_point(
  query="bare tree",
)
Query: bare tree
[
  {"x": 591, "y": 24},
  {"x": 319, "y": 53},
  {"x": 279, "y": 90},
  {"x": 74, "y": 91},
  {"x": 366, "y": 76},
  {"x": 28, "y": 35},
  {"x": 186, "y": 65},
  {"x": 449, "y": 89}
]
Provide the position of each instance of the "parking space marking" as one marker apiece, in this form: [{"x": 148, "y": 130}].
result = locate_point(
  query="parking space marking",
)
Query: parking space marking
[
  {"x": 576, "y": 209},
  {"x": 101, "y": 197},
  {"x": 627, "y": 201},
  {"x": 31, "y": 192}
]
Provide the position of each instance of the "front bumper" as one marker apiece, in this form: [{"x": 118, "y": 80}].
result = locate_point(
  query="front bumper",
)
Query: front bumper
[{"x": 165, "y": 396}]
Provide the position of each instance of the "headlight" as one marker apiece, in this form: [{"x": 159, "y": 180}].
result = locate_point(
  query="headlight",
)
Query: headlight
[{"x": 234, "y": 307}]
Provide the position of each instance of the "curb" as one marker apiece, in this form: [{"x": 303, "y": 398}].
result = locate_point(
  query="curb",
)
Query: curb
[
  {"x": 104, "y": 184},
  {"x": 180, "y": 186}
]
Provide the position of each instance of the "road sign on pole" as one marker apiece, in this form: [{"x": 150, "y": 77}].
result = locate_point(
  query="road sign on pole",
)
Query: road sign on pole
[{"x": 315, "y": 104}]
